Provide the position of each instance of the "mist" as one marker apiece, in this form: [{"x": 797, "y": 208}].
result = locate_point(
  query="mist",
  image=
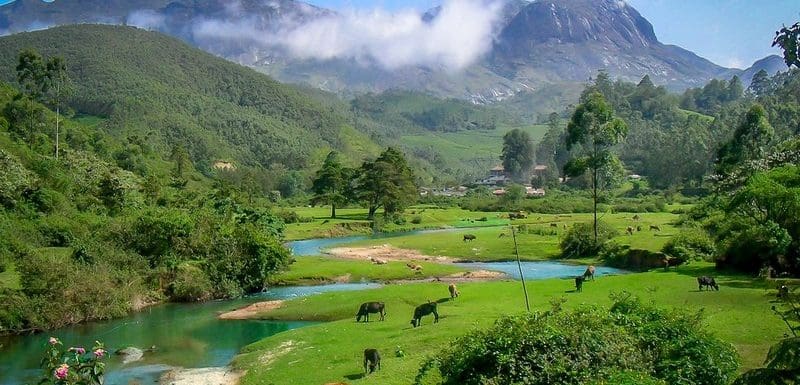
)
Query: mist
[{"x": 458, "y": 36}]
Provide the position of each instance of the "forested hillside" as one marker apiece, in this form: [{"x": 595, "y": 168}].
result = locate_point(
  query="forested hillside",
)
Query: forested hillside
[{"x": 166, "y": 93}]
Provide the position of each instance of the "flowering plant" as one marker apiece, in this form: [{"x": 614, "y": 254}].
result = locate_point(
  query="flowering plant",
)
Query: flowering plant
[{"x": 73, "y": 366}]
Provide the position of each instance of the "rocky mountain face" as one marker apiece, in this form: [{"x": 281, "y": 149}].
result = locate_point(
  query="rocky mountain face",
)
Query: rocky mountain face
[{"x": 535, "y": 44}]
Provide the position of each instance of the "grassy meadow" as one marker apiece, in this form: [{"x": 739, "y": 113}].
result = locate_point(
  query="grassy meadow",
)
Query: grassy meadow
[
  {"x": 321, "y": 270},
  {"x": 739, "y": 313}
]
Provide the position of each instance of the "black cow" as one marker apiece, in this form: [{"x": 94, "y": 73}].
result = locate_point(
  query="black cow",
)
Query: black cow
[
  {"x": 469, "y": 237},
  {"x": 370, "y": 307},
  {"x": 707, "y": 282},
  {"x": 372, "y": 360},
  {"x": 589, "y": 273},
  {"x": 579, "y": 283},
  {"x": 673, "y": 261},
  {"x": 423, "y": 310}
]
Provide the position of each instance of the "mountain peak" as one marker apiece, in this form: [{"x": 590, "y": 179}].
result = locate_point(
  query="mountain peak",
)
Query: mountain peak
[{"x": 579, "y": 21}]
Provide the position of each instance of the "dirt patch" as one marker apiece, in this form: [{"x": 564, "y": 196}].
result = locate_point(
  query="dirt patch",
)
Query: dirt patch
[
  {"x": 478, "y": 275},
  {"x": 284, "y": 348},
  {"x": 385, "y": 253},
  {"x": 251, "y": 311},
  {"x": 202, "y": 376}
]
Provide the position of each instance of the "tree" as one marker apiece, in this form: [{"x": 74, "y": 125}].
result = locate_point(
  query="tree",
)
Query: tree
[
  {"x": 760, "y": 84},
  {"x": 594, "y": 126},
  {"x": 56, "y": 74},
  {"x": 32, "y": 74},
  {"x": 330, "y": 183},
  {"x": 517, "y": 153},
  {"x": 749, "y": 141},
  {"x": 387, "y": 182},
  {"x": 788, "y": 38}
]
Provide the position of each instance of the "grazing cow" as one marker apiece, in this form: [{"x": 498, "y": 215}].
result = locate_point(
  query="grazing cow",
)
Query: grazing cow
[
  {"x": 501, "y": 235},
  {"x": 370, "y": 307},
  {"x": 453, "y": 290},
  {"x": 413, "y": 266},
  {"x": 469, "y": 237},
  {"x": 629, "y": 230},
  {"x": 707, "y": 282},
  {"x": 783, "y": 292},
  {"x": 638, "y": 228},
  {"x": 423, "y": 310},
  {"x": 655, "y": 227},
  {"x": 579, "y": 283},
  {"x": 372, "y": 360},
  {"x": 673, "y": 261},
  {"x": 589, "y": 273},
  {"x": 636, "y": 217},
  {"x": 377, "y": 261},
  {"x": 554, "y": 225}
]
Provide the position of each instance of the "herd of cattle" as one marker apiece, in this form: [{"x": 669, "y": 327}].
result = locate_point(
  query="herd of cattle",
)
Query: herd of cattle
[{"x": 372, "y": 358}]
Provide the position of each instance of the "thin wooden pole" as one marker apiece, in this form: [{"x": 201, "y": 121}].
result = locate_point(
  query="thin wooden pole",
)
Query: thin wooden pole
[{"x": 519, "y": 265}]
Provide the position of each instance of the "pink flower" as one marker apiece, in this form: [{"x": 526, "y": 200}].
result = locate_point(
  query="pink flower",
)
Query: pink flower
[
  {"x": 54, "y": 341},
  {"x": 99, "y": 353},
  {"x": 78, "y": 350},
  {"x": 62, "y": 371}
]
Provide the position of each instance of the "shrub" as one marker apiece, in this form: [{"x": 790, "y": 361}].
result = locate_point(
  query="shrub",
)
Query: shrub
[
  {"x": 416, "y": 220},
  {"x": 629, "y": 344},
  {"x": 190, "y": 284},
  {"x": 691, "y": 245},
  {"x": 579, "y": 240},
  {"x": 73, "y": 366},
  {"x": 289, "y": 216}
]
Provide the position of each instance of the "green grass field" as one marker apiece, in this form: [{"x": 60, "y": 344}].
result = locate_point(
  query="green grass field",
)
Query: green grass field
[
  {"x": 739, "y": 313},
  {"x": 540, "y": 241},
  {"x": 320, "y": 270}
]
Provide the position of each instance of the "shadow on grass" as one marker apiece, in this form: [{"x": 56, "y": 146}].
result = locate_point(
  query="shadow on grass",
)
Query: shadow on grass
[
  {"x": 356, "y": 376},
  {"x": 724, "y": 277}
]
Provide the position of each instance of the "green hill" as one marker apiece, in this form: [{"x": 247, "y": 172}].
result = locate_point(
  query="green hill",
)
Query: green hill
[{"x": 156, "y": 87}]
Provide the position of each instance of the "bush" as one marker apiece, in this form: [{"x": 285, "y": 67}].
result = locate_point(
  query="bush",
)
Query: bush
[
  {"x": 579, "y": 241},
  {"x": 627, "y": 344},
  {"x": 191, "y": 284},
  {"x": 73, "y": 366},
  {"x": 416, "y": 220},
  {"x": 691, "y": 245},
  {"x": 288, "y": 216}
]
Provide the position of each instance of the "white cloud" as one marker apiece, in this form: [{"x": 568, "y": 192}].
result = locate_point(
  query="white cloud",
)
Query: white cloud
[
  {"x": 734, "y": 62},
  {"x": 460, "y": 34},
  {"x": 146, "y": 19}
]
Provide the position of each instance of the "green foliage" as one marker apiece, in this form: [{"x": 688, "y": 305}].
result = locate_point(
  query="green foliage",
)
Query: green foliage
[
  {"x": 691, "y": 244},
  {"x": 580, "y": 241},
  {"x": 782, "y": 366},
  {"x": 15, "y": 179},
  {"x": 386, "y": 182},
  {"x": 749, "y": 141},
  {"x": 73, "y": 366},
  {"x": 628, "y": 342},
  {"x": 331, "y": 183},
  {"x": 788, "y": 38},
  {"x": 191, "y": 284},
  {"x": 518, "y": 154}
]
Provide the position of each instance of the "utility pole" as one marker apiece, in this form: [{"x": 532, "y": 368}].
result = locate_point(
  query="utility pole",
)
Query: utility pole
[{"x": 519, "y": 265}]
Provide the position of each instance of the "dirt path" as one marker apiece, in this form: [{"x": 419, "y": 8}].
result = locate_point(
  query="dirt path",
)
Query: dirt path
[
  {"x": 201, "y": 376},
  {"x": 249, "y": 312}
]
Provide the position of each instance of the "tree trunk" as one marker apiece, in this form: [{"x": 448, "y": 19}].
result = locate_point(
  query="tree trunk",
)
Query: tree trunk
[
  {"x": 594, "y": 187},
  {"x": 333, "y": 210},
  {"x": 371, "y": 214}
]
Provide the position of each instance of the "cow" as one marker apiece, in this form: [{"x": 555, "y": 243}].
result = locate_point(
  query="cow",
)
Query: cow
[
  {"x": 629, "y": 230},
  {"x": 501, "y": 235},
  {"x": 673, "y": 261},
  {"x": 453, "y": 290},
  {"x": 589, "y": 273},
  {"x": 469, "y": 237},
  {"x": 413, "y": 266},
  {"x": 370, "y": 307},
  {"x": 783, "y": 292},
  {"x": 554, "y": 225},
  {"x": 655, "y": 228},
  {"x": 638, "y": 228},
  {"x": 372, "y": 360},
  {"x": 707, "y": 282},
  {"x": 423, "y": 310},
  {"x": 636, "y": 217},
  {"x": 579, "y": 283}
]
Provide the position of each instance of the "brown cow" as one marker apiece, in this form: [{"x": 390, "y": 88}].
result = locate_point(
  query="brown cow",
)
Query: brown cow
[
  {"x": 453, "y": 290},
  {"x": 589, "y": 273}
]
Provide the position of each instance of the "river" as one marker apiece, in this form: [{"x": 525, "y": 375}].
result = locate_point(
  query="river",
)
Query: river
[{"x": 191, "y": 336}]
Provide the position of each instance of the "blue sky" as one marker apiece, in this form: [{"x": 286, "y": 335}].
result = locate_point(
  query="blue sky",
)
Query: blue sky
[{"x": 732, "y": 33}]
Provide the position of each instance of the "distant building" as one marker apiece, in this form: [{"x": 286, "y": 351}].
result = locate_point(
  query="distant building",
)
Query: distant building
[
  {"x": 497, "y": 177},
  {"x": 534, "y": 192}
]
